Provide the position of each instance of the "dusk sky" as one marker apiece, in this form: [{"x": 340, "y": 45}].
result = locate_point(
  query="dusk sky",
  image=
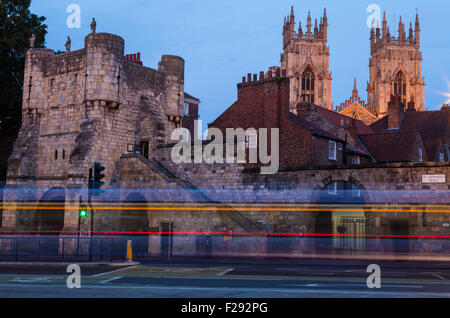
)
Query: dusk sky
[{"x": 223, "y": 40}]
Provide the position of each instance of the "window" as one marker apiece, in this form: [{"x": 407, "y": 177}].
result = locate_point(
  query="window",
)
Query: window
[
  {"x": 64, "y": 154},
  {"x": 56, "y": 154},
  {"x": 420, "y": 155},
  {"x": 144, "y": 148},
  {"x": 356, "y": 192},
  {"x": 332, "y": 188},
  {"x": 400, "y": 86},
  {"x": 251, "y": 141},
  {"x": 441, "y": 157},
  {"x": 186, "y": 109},
  {"x": 308, "y": 85},
  {"x": 356, "y": 160},
  {"x": 332, "y": 150}
]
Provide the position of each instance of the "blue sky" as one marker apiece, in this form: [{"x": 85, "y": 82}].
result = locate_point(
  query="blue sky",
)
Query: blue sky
[{"x": 222, "y": 40}]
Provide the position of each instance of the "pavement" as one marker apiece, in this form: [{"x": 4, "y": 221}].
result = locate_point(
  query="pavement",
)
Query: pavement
[{"x": 209, "y": 279}]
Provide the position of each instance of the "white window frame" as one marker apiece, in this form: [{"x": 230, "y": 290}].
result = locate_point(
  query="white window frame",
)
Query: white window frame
[
  {"x": 420, "y": 154},
  {"x": 186, "y": 109},
  {"x": 332, "y": 146},
  {"x": 356, "y": 160},
  {"x": 332, "y": 188}
]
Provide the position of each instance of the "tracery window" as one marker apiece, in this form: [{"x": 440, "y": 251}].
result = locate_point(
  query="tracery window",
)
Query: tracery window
[
  {"x": 400, "y": 86},
  {"x": 308, "y": 86}
]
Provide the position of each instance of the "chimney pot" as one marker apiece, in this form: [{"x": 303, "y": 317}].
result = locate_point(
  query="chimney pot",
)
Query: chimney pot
[{"x": 278, "y": 72}]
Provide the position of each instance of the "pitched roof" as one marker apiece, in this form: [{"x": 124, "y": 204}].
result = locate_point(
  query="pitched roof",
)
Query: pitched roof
[
  {"x": 432, "y": 124},
  {"x": 316, "y": 130},
  {"x": 186, "y": 95},
  {"x": 338, "y": 120},
  {"x": 393, "y": 146}
]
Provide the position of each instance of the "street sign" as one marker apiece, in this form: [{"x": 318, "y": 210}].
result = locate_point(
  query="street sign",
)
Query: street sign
[{"x": 436, "y": 178}]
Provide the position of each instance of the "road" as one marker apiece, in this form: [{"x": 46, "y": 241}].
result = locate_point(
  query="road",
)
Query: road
[{"x": 315, "y": 278}]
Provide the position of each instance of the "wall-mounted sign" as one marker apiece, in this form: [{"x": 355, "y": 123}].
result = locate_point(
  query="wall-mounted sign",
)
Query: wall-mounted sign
[{"x": 436, "y": 178}]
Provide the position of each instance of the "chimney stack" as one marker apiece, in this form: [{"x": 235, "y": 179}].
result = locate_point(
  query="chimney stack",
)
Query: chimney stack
[{"x": 396, "y": 111}]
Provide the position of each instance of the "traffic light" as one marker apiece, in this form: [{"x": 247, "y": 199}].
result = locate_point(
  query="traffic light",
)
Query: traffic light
[
  {"x": 95, "y": 179},
  {"x": 98, "y": 176},
  {"x": 83, "y": 213}
]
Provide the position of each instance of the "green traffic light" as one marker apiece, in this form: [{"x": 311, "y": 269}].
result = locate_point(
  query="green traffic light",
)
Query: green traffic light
[{"x": 83, "y": 213}]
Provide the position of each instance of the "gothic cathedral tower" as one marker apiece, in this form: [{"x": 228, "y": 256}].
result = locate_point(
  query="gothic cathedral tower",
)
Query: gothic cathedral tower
[
  {"x": 395, "y": 67},
  {"x": 305, "y": 59}
]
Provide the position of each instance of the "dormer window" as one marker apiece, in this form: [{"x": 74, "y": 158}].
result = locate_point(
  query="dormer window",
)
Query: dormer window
[{"x": 332, "y": 150}]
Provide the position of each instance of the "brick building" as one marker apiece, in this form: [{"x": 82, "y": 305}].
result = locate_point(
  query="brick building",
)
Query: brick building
[{"x": 312, "y": 135}]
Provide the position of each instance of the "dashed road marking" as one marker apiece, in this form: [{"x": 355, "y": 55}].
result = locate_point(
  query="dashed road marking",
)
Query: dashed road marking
[
  {"x": 114, "y": 271},
  {"x": 225, "y": 272},
  {"x": 110, "y": 280},
  {"x": 438, "y": 276}
]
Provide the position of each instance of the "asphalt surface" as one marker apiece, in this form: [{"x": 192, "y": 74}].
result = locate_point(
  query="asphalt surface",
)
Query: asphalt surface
[{"x": 314, "y": 278}]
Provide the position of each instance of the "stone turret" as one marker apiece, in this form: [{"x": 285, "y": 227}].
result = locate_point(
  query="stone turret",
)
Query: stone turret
[
  {"x": 173, "y": 68},
  {"x": 307, "y": 53},
  {"x": 103, "y": 61},
  {"x": 395, "y": 67}
]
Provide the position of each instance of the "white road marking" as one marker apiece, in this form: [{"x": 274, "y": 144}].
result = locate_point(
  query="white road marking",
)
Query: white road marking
[
  {"x": 30, "y": 280},
  {"x": 110, "y": 280},
  {"x": 225, "y": 272},
  {"x": 436, "y": 275},
  {"x": 114, "y": 271}
]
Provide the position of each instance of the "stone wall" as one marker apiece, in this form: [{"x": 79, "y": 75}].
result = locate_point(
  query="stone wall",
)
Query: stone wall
[{"x": 90, "y": 105}]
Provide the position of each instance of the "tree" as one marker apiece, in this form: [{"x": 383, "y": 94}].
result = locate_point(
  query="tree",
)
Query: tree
[{"x": 17, "y": 25}]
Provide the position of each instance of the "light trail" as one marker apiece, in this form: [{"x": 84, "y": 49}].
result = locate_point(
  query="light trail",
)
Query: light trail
[
  {"x": 230, "y": 234},
  {"x": 235, "y": 209}
]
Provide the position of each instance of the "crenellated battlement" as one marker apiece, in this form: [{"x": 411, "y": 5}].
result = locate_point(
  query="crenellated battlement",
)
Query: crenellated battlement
[
  {"x": 319, "y": 33},
  {"x": 381, "y": 36},
  {"x": 94, "y": 104}
]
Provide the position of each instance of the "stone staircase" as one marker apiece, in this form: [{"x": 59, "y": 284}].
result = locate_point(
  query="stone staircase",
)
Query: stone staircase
[{"x": 236, "y": 216}]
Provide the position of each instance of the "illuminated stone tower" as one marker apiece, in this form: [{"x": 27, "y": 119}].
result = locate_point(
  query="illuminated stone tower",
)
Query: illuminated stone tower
[
  {"x": 395, "y": 67},
  {"x": 305, "y": 59}
]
